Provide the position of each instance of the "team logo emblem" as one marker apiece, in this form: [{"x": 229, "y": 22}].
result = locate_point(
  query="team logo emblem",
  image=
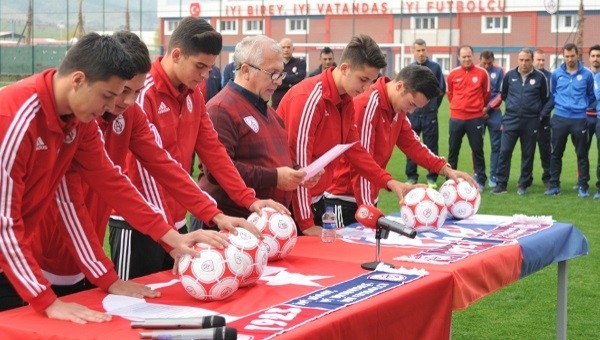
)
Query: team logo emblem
[
  {"x": 579, "y": 77},
  {"x": 118, "y": 124},
  {"x": 70, "y": 137},
  {"x": 190, "y": 105},
  {"x": 391, "y": 277},
  {"x": 252, "y": 123},
  {"x": 294, "y": 69},
  {"x": 531, "y": 81},
  {"x": 493, "y": 75},
  {"x": 475, "y": 79}
]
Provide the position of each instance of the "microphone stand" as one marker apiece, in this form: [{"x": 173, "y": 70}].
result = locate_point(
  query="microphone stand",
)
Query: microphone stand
[{"x": 380, "y": 233}]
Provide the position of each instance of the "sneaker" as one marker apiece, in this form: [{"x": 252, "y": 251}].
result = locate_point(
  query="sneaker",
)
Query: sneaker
[
  {"x": 521, "y": 191},
  {"x": 481, "y": 186},
  {"x": 432, "y": 184},
  {"x": 583, "y": 193},
  {"x": 411, "y": 181},
  {"x": 552, "y": 191},
  {"x": 499, "y": 189},
  {"x": 492, "y": 182},
  {"x": 597, "y": 195}
]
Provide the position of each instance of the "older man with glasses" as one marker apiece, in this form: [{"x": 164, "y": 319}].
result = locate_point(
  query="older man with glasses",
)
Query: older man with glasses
[{"x": 250, "y": 130}]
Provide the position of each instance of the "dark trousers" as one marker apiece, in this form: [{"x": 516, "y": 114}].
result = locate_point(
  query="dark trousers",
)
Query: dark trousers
[
  {"x": 525, "y": 130},
  {"x": 561, "y": 129},
  {"x": 545, "y": 148},
  {"x": 9, "y": 298},
  {"x": 344, "y": 211},
  {"x": 473, "y": 128},
  {"x": 591, "y": 120},
  {"x": 427, "y": 126},
  {"x": 135, "y": 254},
  {"x": 493, "y": 126}
]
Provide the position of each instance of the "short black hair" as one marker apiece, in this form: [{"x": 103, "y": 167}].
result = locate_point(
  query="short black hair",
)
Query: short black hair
[
  {"x": 363, "y": 51},
  {"x": 137, "y": 49},
  {"x": 594, "y": 48},
  {"x": 419, "y": 78},
  {"x": 196, "y": 35},
  {"x": 571, "y": 47},
  {"x": 487, "y": 54},
  {"x": 100, "y": 57},
  {"x": 326, "y": 50},
  {"x": 528, "y": 51}
]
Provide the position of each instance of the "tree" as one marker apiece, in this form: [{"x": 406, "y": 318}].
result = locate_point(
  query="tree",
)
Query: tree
[{"x": 579, "y": 34}]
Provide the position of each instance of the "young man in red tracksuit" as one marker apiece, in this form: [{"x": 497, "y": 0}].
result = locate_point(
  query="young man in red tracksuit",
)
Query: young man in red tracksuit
[
  {"x": 85, "y": 214},
  {"x": 468, "y": 93},
  {"x": 319, "y": 114},
  {"x": 381, "y": 117},
  {"x": 46, "y": 123},
  {"x": 178, "y": 114}
]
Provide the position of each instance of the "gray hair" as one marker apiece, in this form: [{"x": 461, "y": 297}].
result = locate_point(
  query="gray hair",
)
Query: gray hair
[{"x": 250, "y": 50}]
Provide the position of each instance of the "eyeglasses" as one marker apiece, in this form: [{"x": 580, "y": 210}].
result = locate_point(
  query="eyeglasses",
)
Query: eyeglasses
[{"x": 274, "y": 75}]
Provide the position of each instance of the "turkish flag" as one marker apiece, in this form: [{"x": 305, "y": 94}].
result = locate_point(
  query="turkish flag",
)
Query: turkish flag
[{"x": 195, "y": 9}]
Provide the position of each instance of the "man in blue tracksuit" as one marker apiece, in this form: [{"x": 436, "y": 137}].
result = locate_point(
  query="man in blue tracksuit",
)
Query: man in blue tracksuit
[
  {"x": 544, "y": 133},
  {"x": 425, "y": 120},
  {"x": 572, "y": 91},
  {"x": 525, "y": 92},
  {"x": 492, "y": 109}
]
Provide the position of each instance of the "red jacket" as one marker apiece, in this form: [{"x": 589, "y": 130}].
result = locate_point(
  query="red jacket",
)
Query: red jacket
[
  {"x": 380, "y": 129},
  {"x": 181, "y": 121},
  {"x": 37, "y": 147},
  {"x": 317, "y": 118},
  {"x": 468, "y": 92},
  {"x": 127, "y": 132}
]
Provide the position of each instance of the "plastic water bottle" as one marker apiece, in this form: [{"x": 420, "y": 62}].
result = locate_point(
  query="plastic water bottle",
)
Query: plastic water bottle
[{"x": 329, "y": 225}]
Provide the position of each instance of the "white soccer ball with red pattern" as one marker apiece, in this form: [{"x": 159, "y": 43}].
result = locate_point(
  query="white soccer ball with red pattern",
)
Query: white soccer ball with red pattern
[
  {"x": 209, "y": 276},
  {"x": 278, "y": 230},
  {"x": 462, "y": 199},
  {"x": 423, "y": 209},
  {"x": 249, "y": 256}
]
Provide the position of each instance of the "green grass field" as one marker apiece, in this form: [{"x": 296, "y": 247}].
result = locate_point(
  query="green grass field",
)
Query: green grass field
[{"x": 527, "y": 308}]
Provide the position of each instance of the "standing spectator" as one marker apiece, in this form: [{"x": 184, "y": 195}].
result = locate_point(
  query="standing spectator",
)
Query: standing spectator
[
  {"x": 381, "y": 117},
  {"x": 572, "y": 88},
  {"x": 228, "y": 74},
  {"x": 319, "y": 114},
  {"x": 178, "y": 116},
  {"x": 525, "y": 92},
  {"x": 591, "y": 111},
  {"x": 544, "y": 133},
  {"x": 251, "y": 131},
  {"x": 493, "y": 114},
  {"x": 597, "y": 95},
  {"x": 424, "y": 120},
  {"x": 295, "y": 68},
  {"x": 326, "y": 59},
  {"x": 468, "y": 93}
]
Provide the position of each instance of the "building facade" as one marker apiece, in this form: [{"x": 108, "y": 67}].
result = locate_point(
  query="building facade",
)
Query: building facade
[{"x": 503, "y": 26}]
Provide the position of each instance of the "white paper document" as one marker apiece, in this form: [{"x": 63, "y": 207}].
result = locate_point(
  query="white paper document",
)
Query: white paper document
[{"x": 319, "y": 164}]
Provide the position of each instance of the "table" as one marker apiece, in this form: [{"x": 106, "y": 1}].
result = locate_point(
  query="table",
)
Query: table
[{"x": 421, "y": 309}]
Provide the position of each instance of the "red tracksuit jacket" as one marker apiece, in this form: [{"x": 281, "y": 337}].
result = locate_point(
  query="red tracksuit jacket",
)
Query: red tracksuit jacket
[
  {"x": 127, "y": 132},
  {"x": 181, "y": 121},
  {"x": 380, "y": 129},
  {"x": 468, "y": 92},
  {"x": 36, "y": 149},
  {"x": 317, "y": 118}
]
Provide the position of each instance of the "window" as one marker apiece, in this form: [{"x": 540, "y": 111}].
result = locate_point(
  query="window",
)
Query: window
[
  {"x": 228, "y": 27},
  {"x": 555, "y": 61},
  {"x": 254, "y": 26},
  {"x": 567, "y": 23},
  {"x": 296, "y": 26},
  {"x": 171, "y": 25},
  {"x": 423, "y": 23},
  {"x": 495, "y": 24},
  {"x": 502, "y": 60},
  {"x": 445, "y": 62}
]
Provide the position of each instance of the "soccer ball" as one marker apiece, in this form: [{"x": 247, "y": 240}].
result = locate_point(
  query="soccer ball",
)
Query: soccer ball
[
  {"x": 423, "y": 209},
  {"x": 208, "y": 277},
  {"x": 462, "y": 199},
  {"x": 279, "y": 232},
  {"x": 249, "y": 256}
]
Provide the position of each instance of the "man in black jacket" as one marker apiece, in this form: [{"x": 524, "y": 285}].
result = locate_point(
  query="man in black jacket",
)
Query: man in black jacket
[
  {"x": 294, "y": 67},
  {"x": 525, "y": 92}
]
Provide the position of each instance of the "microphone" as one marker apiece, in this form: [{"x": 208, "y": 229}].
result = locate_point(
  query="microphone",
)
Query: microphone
[
  {"x": 219, "y": 333},
  {"x": 180, "y": 323},
  {"x": 373, "y": 218}
]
